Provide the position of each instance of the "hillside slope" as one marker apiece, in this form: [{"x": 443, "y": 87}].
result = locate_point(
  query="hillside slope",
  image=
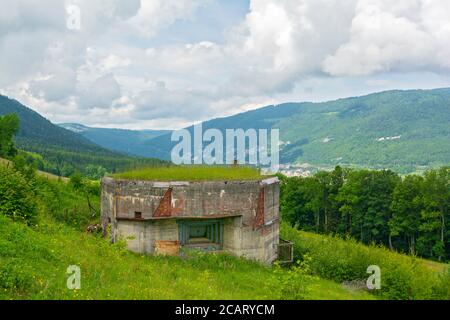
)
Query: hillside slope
[
  {"x": 345, "y": 260},
  {"x": 35, "y": 252},
  {"x": 392, "y": 129},
  {"x": 35, "y": 130},
  {"x": 387, "y": 129},
  {"x": 34, "y": 261},
  {"x": 47, "y": 175}
]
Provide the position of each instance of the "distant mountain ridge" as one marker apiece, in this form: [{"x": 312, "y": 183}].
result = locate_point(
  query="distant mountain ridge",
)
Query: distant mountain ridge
[
  {"x": 121, "y": 140},
  {"x": 395, "y": 129},
  {"x": 398, "y": 129}
]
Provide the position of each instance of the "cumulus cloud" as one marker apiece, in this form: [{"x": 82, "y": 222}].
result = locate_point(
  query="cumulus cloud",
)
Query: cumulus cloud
[
  {"x": 117, "y": 67},
  {"x": 102, "y": 93},
  {"x": 57, "y": 85},
  {"x": 161, "y": 102},
  {"x": 156, "y": 14},
  {"x": 282, "y": 41},
  {"x": 408, "y": 35}
]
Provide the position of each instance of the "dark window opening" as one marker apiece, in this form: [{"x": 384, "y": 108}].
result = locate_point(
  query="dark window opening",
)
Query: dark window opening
[
  {"x": 137, "y": 215},
  {"x": 201, "y": 233}
]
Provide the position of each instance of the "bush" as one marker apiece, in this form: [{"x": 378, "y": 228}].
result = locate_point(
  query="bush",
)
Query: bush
[
  {"x": 25, "y": 165},
  {"x": 17, "y": 199},
  {"x": 76, "y": 181},
  {"x": 76, "y": 204},
  {"x": 294, "y": 282}
]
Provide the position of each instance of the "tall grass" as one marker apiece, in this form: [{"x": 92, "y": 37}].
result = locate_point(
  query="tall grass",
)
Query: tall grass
[
  {"x": 33, "y": 263},
  {"x": 76, "y": 206},
  {"x": 34, "y": 259},
  {"x": 402, "y": 277}
]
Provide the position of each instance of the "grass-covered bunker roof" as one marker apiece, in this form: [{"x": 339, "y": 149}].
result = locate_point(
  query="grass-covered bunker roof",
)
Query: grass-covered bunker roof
[{"x": 192, "y": 173}]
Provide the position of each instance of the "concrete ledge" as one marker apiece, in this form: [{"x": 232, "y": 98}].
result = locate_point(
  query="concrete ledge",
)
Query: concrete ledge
[
  {"x": 268, "y": 181},
  {"x": 212, "y": 216}
]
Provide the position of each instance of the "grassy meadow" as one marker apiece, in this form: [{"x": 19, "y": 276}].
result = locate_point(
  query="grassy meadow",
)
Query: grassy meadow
[
  {"x": 34, "y": 261},
  {"x": 37, "y": 249}
]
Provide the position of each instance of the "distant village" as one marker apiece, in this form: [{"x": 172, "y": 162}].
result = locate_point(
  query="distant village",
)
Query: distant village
[
  {"x": 293, "y": 170},
  {"x": 296, "y": 170}
]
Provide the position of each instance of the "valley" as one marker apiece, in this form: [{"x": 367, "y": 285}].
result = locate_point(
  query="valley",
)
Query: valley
[{"x": 406, "y": 131}]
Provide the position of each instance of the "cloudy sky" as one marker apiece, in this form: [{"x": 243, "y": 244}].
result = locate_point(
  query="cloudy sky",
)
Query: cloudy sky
[{"x": 169, "y": 63}]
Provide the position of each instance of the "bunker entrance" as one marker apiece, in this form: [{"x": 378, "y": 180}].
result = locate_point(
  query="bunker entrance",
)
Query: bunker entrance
[{"x": 203, "y": 235}]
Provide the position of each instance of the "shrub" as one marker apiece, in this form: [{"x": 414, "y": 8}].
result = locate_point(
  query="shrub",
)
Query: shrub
[
  {"x": 17, "y": 199},
  {"x": 294, "y": 283},
  {"x": 76, "y": 207},
  {"x": 76, "y": 181},
  {"x": 25, "y": 165}
]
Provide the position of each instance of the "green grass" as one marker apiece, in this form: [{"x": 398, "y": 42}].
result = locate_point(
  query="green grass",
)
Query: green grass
[
  {"x": 34, "y": 261},
  {"x": 192, "y": 173},
  {"x": 346, "y": 260}
]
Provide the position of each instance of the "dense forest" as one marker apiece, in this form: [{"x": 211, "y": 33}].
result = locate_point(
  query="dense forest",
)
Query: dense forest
[{"x": 407, "y": 214}]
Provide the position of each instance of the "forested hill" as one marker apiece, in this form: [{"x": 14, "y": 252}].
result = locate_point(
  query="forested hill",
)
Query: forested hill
[
  {"x": 35, "y": 129},
  {"x": 62, "y": 151},
  {"x": 392, "y": 129}
]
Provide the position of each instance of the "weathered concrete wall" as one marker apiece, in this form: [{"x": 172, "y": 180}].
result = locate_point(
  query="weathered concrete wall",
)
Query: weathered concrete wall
[
  {"x": 141, "y": 235},
  {"x": 142, "y": 212}
]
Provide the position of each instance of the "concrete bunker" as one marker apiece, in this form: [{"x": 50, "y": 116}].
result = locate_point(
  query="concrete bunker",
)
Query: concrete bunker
[{"x": 240, "y": 217}]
